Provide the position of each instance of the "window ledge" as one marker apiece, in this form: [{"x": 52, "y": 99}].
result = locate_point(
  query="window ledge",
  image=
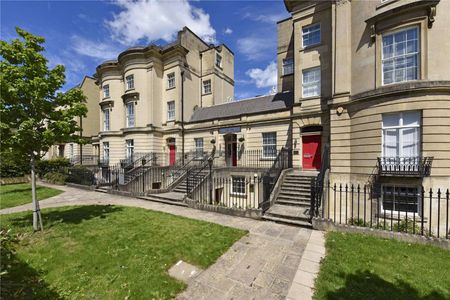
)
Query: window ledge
[
  {"x": 286, "y": 75},
  {"x": 170, "y": 88},
  {"x": 240, "y": 195},
  {"x": 204, "y": 94},
  {"x": 311, "y": 98},
  {"x": 267, "y": 158},
  {"x": 310, "y": 47}
]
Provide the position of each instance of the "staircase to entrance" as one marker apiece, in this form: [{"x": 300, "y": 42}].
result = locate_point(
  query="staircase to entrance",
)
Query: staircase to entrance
[{"x": 293, "y": 201}]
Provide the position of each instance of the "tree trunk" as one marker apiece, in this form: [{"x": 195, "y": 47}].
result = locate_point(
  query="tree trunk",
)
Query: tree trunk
[{"x": 37, "y": 219}]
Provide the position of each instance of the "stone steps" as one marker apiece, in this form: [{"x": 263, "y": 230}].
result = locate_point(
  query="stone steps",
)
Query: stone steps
[
  {"x": 293, "y": 200},
  {"x": 172, "y": 198}
]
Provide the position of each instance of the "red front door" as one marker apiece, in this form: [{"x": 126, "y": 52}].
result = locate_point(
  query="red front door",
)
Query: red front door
[
  {"x": 311, "y": 151},
  {"x": 172, "y": 155}
]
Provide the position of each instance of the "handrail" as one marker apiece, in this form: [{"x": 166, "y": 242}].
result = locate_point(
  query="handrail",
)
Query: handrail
[
  {"x": 206, "y": 162},
  {"x": 269, "y": 181},
  {"x": 317, "y": 188}
]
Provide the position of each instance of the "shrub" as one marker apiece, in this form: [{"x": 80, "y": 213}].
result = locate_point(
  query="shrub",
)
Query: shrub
[
  {"x": 406, "y": 225},
  {"x": 52, "y": 165},
  {"x": 356, "y": 222},
  {"x": 81, "y": 175},
  {"x": 13, "y": 166},
  {"x": 55, "y": 177}
]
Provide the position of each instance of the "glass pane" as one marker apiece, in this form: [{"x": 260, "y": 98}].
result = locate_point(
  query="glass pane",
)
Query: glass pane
[
  {"x": 390, "y": 120},
  {"x": 411, "y": 118},
  {"x": 390, "y": 143}
]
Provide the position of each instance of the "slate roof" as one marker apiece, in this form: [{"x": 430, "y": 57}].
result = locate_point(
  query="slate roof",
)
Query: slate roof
[{"x": 264, "y": 104}]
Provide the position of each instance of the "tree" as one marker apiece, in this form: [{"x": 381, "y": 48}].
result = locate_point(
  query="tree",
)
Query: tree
[{"x": 34, "y": 114}]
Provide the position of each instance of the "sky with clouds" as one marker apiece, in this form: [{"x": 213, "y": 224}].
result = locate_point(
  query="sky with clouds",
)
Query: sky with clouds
[{"x": 82, "y": 34}]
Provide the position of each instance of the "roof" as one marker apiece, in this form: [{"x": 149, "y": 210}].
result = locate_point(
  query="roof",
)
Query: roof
[{"x": 264, "y": 104}]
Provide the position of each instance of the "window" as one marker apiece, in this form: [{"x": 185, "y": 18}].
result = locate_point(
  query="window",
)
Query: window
[
  {"x": 218, "y": 60},
  {"x": 401, "y": 134},
  {"x": 170, "y": 80},
  {"x": 288, "y": 66},
  {"x": 207, "y": 86},
  {"x": 198, "y": 147},
  {"x": 129, "y": 149},
  {"x": 130, "y": 82},
  {"x": 311, "y": 82},
  {"x": 106, "y": 119},
  {"x": 130, "y": 114},
  {"x": 311, "y": 35},
  {"x": 400, "y": 57},
  {"x": 400, "y": 198},
  {"x": 170, "y": 110},
  {"x": 269, "y": 144},
  {"x": 106, "y": 91},
  {"x": 238, "y": 185},
  {"x": 106, "y": 151}
]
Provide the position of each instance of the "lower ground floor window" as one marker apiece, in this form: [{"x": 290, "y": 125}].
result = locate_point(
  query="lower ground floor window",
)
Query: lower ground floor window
[
  {"x": 238, "y": 185},
  {"x": 401, "y": 198}
]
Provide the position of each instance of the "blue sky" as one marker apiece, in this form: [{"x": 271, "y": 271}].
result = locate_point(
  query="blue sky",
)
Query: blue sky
[{"x": 82, "y": 34}]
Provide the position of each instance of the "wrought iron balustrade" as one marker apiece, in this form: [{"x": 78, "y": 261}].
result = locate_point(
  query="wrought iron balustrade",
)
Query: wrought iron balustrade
[{"x": 405, "y": 166}]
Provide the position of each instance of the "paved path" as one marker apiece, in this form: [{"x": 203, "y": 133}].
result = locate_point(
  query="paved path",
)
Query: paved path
[{"x": 261, "y": 265}]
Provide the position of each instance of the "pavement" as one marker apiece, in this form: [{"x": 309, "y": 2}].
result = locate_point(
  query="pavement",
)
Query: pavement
[{"x": 274, "y": 261}]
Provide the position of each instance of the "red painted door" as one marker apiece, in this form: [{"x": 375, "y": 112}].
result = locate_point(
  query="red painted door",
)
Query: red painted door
[
  {"x": 172, "y": 155},
  {"x": 311, "y": 151}
]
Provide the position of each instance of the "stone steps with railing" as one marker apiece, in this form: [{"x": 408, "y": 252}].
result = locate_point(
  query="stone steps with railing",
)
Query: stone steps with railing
[{"x": 292, "y": 203}]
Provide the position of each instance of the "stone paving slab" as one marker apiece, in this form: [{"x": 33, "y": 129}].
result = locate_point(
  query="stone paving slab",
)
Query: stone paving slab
[
  {"x": 261, "y": 265},
  {"x": 184, "y": 271},
  {"x": 303, "y": 284}
]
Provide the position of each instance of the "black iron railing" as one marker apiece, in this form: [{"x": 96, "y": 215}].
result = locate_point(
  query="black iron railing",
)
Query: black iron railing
[
  {"x": 245, "y": 159},
  {"x": 88, "y": 160},
  {"x": 405, "y": 166},
  {"x": 271, "y": 176},
  {"x": 316, "y": 189},
  {"x": 405, "y": 209}
]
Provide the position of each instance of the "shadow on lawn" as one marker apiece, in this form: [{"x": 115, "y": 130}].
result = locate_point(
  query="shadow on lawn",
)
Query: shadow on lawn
[
  {"x": 74, "y": 215},
  {"x": 365, "y": 285},
  {"x": 23, "y": 189}
]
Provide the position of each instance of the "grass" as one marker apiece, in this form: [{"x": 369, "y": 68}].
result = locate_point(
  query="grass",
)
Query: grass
[
  {"x": 359, "y": 266},
  {"x": 17, "y": 194},
  {"x": 109, "y": 252}
]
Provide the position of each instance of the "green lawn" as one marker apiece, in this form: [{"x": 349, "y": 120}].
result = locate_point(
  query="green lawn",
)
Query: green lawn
[
  {"x": 108, "y": 252},
  {"x": 17, "y": 194},
  {"x": 364, "y": 267}
]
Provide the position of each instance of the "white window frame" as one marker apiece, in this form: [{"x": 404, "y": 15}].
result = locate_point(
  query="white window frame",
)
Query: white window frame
[
  {"x": 106, "y": 93},
  {"x": 207, "y": 83},
  {"x": 199, "y": 147},
  {"x": 238, "y": 185},
  {"x": 129, "y": 80},
  {"x": 394, "y": 213},
  {"x": 310, "y": 33},
  {"x": 393, "y": 58},
  {"x": 288, "y": 66},
  {"x": 308, "y": 84},
  {"x": 171, "y": 80},
  {"x": 265, "y": 137},
  {"x": 218, "y": 60},
  {"x": 129, "y": 148},
  {"x": 106, "y": 119},
  {"x": 400, "y": 128},
  {"x": 130, "y": 114},
  {"x": 106, "y": 151},
  {"x": 170, "y": 110}
]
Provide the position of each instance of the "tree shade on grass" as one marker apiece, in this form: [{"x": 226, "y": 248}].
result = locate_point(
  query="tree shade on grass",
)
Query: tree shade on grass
[
  {"x": 359, "y": 266},
  {"x": 17, "y": 194},
  {"x": 109, "y": 252}
]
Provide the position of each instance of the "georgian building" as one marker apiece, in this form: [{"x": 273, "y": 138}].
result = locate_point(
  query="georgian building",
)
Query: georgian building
[{"x": 149, "y": 93}]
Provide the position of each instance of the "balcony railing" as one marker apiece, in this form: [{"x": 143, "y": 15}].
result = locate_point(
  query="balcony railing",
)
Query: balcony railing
[{"x": 405, "y": 166}]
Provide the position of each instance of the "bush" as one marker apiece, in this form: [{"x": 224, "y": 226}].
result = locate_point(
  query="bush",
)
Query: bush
[
  {"x": 12, "y": 165},
  {"x": 81, "y": 175},
  {"x": 58, "y": 164},
  {"x": 55, "y": 177},
  {"x": 357, "y": 222},
  {"x": 407, "y": 225}
]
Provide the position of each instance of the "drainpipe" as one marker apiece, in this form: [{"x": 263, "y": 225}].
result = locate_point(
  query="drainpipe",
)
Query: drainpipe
[
  {"x": 182, "y": 117},
  {"x": 200, "y": 79},
  {"x": 81, "y": 145}
]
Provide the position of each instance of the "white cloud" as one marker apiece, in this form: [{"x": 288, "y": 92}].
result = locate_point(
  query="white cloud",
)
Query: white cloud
[
  {"x": 265, "y": 18},
  {"x": 264, "y": 78},
  {"x": 257, "y": 48},
  {"x": 228, "y": 31},
  {"x": 97, "y": 50},
  {"x": 152, "y": 20}
]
